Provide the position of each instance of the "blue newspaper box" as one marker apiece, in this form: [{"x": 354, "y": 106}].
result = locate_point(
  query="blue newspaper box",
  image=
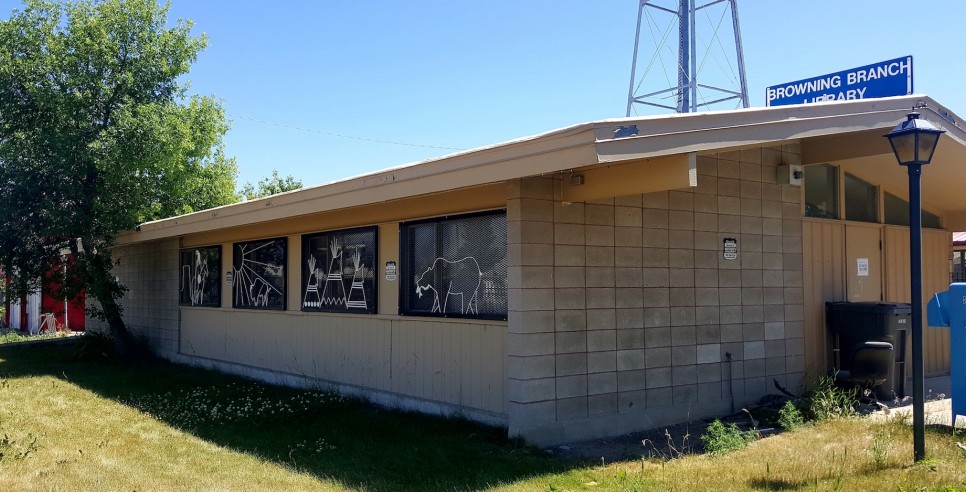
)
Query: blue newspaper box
[{"x": 949, "y": 309}]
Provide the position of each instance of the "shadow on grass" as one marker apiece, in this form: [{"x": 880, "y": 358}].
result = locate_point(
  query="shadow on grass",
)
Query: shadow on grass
[
  {"x": 330, "y": 437},
  {"x": 777, "y": 484}
]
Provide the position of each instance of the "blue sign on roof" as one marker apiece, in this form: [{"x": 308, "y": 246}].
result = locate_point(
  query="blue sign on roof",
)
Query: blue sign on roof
[{"x": 883, "y": 79}]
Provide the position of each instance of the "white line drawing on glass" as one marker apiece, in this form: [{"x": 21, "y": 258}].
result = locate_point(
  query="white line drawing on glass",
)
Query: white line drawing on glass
[
  {"x": 312, "y": 289},
  {"x": 334, "y": 276},
  {"x": 462, "y": 278},
  {"x": 251, "y": 288},
  {"x": 195, "y": 281},
  {"x": 353, "y": 301}
]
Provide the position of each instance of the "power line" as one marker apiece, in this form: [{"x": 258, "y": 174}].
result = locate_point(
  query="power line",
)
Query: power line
[{"x": 339, "y": 135}]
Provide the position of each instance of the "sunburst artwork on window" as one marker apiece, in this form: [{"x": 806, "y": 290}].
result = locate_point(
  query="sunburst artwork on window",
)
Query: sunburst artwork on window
[{"x": 259, "y": 273}]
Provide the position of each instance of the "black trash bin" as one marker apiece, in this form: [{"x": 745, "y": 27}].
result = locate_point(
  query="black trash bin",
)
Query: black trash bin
[{"x": 871, "y": 346}]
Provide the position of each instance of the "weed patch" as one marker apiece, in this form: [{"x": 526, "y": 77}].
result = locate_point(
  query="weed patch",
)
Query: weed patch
[
  {"x": 829, "y": 401},
  {"x": 17, "y": 449},
  {"x": 879, "y": 447},
  {"x": 720, "y": 438},
  {"x": 790, "y": 417}
]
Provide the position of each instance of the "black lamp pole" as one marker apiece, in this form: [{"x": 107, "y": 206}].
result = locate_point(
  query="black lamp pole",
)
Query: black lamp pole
[
  {"x": 915, "y": 260},
  {"x": 914, "y": 142}
]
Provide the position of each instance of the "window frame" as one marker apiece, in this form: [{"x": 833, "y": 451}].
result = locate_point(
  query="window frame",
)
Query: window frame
[
  {"x": 182, "y": 278},
  {"x": 406, "y": 266},
  {"x": 372, "y": 305},
  {"x": 284, "y": 291}
]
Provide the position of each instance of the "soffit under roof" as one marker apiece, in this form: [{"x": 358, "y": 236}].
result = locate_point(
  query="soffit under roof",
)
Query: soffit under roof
[{"x": 867, "y": 155}]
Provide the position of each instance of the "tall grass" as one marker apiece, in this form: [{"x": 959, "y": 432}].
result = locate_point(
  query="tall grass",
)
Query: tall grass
[{"x": 93, "y": 424}]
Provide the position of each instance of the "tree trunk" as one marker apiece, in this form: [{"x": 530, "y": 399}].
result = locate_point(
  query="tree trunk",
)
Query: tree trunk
[
  {"x": 106, "y": 291},
  {"x": 124, "y": 343}
]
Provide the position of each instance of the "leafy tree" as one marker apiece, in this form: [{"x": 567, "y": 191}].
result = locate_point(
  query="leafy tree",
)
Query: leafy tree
[
  {"x": 97, "y": 135},
  {"x": 272, "y": 185}
]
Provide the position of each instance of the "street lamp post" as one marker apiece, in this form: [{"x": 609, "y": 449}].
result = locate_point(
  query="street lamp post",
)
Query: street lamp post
[{"x": 913, "y": 143}]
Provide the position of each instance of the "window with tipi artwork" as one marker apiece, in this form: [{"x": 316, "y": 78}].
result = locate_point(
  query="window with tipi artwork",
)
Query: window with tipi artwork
[{"x": 338, "y": 271}]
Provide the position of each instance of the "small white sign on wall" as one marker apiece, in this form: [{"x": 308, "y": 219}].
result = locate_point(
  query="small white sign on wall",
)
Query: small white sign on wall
[
  {"x": 230, "y": 278},
  {"x": 390, "y": 271},
  {"x": 863, "y": 266},
  {"x": 730, "y": 249}
]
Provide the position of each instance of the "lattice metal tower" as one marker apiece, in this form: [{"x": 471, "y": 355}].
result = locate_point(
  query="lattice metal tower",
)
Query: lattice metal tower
[{"x": 695, "y": 84}]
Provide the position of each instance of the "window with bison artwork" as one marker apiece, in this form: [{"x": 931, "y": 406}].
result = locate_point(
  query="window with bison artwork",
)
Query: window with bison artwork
[
  {"x": 338, "y": 271},
  {"x": 201, "y": 277},
  {"x": 454, "y": 266},
  {"x": 258, "y": 274}
]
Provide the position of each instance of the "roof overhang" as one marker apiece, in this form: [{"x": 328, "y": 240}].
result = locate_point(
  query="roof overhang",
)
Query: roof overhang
[
  {"x": 866, "y": 154},
  {"x": 847, "y": 133}
]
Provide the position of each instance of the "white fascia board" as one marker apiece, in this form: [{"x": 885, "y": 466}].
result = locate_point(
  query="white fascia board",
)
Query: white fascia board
[{"x": 721, "y": 130}]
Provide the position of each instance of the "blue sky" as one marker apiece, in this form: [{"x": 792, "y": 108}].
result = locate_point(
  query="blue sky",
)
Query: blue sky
[{"x": 462, "y": 74}]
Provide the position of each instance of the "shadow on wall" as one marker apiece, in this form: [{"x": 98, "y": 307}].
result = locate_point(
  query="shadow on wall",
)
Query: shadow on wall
[{"x": 328, "y": 436}]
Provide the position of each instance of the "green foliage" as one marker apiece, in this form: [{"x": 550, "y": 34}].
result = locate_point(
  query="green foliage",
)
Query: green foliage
[
  {"x": 272, "y": 185},
  {"x": 829, "y": 401},
  {"x": 720, "y": 438},
  {"x": 790, "y": 417},
  {"x": 97, "y": 135}
]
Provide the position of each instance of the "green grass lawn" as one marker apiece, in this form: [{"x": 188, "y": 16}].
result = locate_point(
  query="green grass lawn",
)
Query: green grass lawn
[{"x": 88, "y": 423}]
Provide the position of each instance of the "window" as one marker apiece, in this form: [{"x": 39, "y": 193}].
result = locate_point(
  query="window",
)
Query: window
[
  {"x": 931, "y": 221},
  {"x": 338, "y": 271},
  {"x": 200, "y": 281},
  {"x": 258, "y": 274},
  {"x": 861, "y": 200},
  {"x": 896, "y": 210},
  {"x": 821, "y": 191},
  {"x": 897, "y": 213},
  {"x": 454, "y": 266},
  {"x": 959, "y": 266}
]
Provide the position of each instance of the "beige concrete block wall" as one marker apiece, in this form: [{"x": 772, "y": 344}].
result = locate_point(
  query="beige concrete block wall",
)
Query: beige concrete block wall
[
  {"x": 624, "y": 314},
  {"x": 150, "y": 272}
]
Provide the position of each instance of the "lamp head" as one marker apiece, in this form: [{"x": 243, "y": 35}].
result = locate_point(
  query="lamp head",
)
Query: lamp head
[{"x": 914, "y": 140}]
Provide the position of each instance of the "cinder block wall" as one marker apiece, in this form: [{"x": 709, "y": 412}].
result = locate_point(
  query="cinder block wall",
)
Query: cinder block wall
[
  {"x": 150, "y": 272},
  {"x": 624, "y": 314}
]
